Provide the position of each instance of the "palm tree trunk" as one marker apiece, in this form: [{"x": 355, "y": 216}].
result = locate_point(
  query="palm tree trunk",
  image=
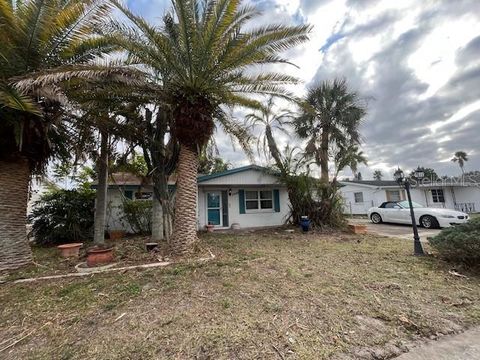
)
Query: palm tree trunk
[
  {"x": 185, "y": 218},
  {"x": 324, "y": 156},
  {"x": 101, "y": 204},
  {"x": 14, "y": 182}
]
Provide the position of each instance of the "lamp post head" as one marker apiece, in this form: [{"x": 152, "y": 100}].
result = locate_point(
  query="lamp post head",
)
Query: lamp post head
[{"x": 399, "y": 176}]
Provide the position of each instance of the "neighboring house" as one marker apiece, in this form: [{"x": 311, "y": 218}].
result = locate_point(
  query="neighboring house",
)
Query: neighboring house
[
  {"x": 452, "y": 193},
  {"x": 246, "y": 197}
]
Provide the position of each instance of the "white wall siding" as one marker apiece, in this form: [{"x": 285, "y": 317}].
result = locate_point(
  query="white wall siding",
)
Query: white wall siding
[
  {"x": 248, "y": 220},
  {"x": 248, "y": 177},
  {"x": 371, "y": 197}
]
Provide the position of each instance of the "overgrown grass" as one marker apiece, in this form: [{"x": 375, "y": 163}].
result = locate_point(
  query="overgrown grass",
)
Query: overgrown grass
[{"x": 267, "y": 295}]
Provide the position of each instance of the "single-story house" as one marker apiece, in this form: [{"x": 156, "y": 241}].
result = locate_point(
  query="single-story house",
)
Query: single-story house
[
  {"x": 360, "y": 195},
  {"x": 246, "y": 197}
]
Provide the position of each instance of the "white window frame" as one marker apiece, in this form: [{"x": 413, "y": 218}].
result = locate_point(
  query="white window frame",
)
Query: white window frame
[
  {"x": 355, "y": 197},
  {"x": 259, "y": 210},
  {"x": 436, "y": 197},
  {"x": 390, "y": 196}
]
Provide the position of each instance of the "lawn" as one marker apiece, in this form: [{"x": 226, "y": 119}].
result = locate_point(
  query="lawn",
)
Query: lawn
[{"x": 267, "y": 294}]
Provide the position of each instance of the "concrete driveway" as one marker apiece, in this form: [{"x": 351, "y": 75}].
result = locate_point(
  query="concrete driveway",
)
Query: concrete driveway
[{"x": 395, "y": 230}]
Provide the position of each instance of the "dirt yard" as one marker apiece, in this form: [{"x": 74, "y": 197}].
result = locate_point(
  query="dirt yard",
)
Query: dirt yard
[{"x": 266, "y": 295}]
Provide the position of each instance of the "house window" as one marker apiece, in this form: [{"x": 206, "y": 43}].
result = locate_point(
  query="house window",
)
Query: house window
[
  {"x": 358, "y": 197},
  {"x": 143, "y": 195},
  {"x": 258, "y": 200},
  {"x": 437, "y": 195},
  {"x": 393, "y": 195}
]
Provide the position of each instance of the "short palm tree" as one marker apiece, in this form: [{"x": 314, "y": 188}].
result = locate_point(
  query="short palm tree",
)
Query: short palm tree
[
  {"x": 461, "y": 158},
  {"x": 204, "y": 59},
  {"x": 332, "y": 115},
  {"x": 41, "y": 40}
]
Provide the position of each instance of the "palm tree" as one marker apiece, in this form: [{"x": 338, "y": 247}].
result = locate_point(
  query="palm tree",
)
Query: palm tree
[
  {"x": 202, "y": 59},
  {"x": 331, "y": 116},
  {"x": 461, "y": 157},
  {"x": 42, "y": 42},
  {"x": 270, "y": 121},
  {"x": 377, "y": 175},
  {"x": 350, "y": 157}
]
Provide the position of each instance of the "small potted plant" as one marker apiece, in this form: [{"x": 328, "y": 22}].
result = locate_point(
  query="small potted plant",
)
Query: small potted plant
[
  {"x": 70, "y": 250},
  {"x": 209, "y": 227},
  {"x": 99, "y": 254}
]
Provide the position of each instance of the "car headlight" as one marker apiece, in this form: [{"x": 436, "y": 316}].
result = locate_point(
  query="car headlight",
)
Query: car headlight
[{"x": 447, "y": 216}]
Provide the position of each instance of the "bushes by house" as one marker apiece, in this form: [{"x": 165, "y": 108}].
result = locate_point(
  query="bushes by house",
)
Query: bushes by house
[
  {"x": 460, "y": 243},
  {"x": 63, "y": 216},
  {"x": 138, "y": 214}
]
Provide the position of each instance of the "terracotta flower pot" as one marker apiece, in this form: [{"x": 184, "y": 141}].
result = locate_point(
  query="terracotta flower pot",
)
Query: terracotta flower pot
[
  {"x": 209, "y": 228},
  {"x": 358, "y": 229},
  {"x": 97, "y": 256},
  {"x": 70, "y": 250},
  {"x": 116, "y": 234}
]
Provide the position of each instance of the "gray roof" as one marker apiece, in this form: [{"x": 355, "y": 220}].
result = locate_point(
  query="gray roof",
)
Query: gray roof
[{"x": 372, "y": 182}]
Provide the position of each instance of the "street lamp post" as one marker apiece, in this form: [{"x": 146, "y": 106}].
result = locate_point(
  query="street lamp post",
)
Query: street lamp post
[{"x": 403, "y": 180}]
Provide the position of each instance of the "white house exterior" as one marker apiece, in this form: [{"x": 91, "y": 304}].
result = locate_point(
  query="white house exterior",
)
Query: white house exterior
[
  {"x": 359, "y": 196},
  {"x": 246, "y": 197}
]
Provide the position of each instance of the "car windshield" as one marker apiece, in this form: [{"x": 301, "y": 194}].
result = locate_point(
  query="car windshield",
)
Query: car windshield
[{"x": 404, "y": 204}]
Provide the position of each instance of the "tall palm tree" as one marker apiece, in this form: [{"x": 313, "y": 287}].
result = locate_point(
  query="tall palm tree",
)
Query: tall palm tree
[
  {"x": 203, "y": 57},
  {"x": 461, "y": 158},
  {"x": 377, "y": 175},
  {"x": 41, "y": 41},
  {"x": 269, "y": 121},
  {"x": 332, "y": 115},
  {"x": 350, "y": 157}
]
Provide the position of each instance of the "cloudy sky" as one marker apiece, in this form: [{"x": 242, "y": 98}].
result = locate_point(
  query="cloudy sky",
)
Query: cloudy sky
[{"x": 418, "y": 60}]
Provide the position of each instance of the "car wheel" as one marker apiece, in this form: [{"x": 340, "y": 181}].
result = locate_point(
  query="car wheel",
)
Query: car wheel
[
  {"x": 429, "y": 222},
  {"x": 376, "y": 218}
]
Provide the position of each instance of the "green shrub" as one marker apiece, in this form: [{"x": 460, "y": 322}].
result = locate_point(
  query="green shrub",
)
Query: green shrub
[
  {"x": 138, "y": 214},
  {"x": 63, "y": 216},
  {"x": 460, "y": 243}
]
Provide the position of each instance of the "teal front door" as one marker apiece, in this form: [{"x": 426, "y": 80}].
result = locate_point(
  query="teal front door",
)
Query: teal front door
[{"x": 214, "y": 208}]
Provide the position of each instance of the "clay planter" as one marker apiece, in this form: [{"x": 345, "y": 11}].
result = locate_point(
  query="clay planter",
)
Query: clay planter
[
  {"x": 96, "y": 256},
  {"x": 358, "y": 229},
  {"x": 210, "y": 228},
  {"x": 116, "y": 234},
  {"x": 70, "y": 250}
]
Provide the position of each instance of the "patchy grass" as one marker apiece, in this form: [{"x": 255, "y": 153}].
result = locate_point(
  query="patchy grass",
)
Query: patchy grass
[{"x": 266, "y": 295}]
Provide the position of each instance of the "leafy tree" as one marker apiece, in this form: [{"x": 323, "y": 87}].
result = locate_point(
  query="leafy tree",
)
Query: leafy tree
[
  {"x": 42, "y": 42},
  {"x": 377, "y": 175},
  {"x": 204, "y": 53},
  {"x": 461, "y": 158},
  {"x": 331, "y": 115}
]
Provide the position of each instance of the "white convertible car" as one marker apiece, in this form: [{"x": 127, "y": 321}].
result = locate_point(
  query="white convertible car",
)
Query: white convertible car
[{"x": 399, "y": 213}]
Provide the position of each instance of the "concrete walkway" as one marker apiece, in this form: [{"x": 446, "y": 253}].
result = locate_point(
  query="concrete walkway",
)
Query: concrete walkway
[{"x": 465, "y": 346}]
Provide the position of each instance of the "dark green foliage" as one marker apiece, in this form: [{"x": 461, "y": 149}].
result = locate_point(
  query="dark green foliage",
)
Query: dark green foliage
[
  {"x": 319, "y": 201},
  {"x": 460, "y": 243},
  {"x": 63, "y": 216},
  {"x": 138, "y": 214}
]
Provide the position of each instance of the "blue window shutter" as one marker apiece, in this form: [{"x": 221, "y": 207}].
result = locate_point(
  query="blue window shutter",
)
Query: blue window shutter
[
  {"x": 276, "y": 200},
  {"x": 241, "y": 201},
  {"x": 129, "y": 194}
]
